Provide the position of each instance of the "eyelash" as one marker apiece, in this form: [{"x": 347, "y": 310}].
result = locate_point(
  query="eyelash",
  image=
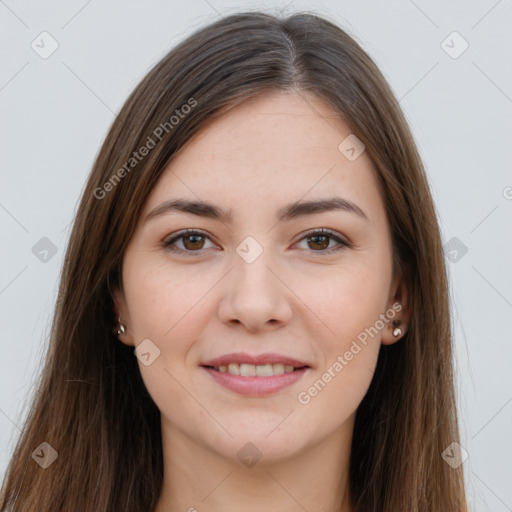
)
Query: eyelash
[{"x": 168, "y": 244}]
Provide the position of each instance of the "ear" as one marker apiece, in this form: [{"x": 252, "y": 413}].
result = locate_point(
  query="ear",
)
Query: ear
[
  {"x": 400, "y": 309},
  {"x": 121, "y": 312}
]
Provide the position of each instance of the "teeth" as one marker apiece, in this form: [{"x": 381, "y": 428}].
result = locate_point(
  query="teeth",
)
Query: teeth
[
  {"x": 233, "y": 368},
  {"x": 278, "y": 368},
  {"x": 251, "y": 370},
  {"x": 265, "y": 370},
  {"x": 247, "y": 370}
]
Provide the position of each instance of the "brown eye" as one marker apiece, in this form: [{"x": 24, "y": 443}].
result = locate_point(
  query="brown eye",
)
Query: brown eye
[
  {"x": 193, "y": 241},
  {"x": 319, "y": 242},
  {"x": 189, "y": 241}
]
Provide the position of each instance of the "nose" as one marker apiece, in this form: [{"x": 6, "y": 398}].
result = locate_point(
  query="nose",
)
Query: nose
[{"x": 255, "y": 295}]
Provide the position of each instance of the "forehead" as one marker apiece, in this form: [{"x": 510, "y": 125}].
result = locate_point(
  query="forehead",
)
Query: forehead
[{"x": 270, "y": 150}]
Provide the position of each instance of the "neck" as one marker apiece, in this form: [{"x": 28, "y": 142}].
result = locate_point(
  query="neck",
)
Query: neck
[{"x": 196, "y": 478}]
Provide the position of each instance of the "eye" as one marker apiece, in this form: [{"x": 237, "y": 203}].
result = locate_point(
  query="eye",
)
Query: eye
[
  {"x": 319, "y": 241},
  {"x": 192, "y": 241}
]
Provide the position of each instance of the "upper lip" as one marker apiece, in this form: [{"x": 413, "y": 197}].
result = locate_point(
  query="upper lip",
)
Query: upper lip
[{"x": 242, "y": 358}]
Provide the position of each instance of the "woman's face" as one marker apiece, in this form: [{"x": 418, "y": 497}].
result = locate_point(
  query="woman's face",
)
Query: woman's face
[{"x": 302, "y": 319}]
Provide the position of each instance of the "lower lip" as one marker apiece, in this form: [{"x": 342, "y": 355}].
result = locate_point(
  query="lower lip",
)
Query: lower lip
[{"x": 256, "y": 386}]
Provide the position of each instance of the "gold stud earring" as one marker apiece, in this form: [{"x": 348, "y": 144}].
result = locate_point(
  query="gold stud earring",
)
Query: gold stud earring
[{"x": 396, "y": 331}]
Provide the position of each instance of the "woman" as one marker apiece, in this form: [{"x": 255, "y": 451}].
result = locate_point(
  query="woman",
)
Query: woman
[{"x": 253, "y": 311}]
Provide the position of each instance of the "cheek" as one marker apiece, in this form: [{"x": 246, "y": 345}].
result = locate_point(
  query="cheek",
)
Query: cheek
[
  {"x": 166, "y": 306},
  {"x": 349, "y": 302},
  {"x": 346, "y": 299},
  {"x": 351, "y": 309},
  {"x": 169, "y": 310}
]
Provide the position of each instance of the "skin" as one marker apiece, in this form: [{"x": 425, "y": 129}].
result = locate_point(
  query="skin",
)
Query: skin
[{"x": 298, "y": 298}]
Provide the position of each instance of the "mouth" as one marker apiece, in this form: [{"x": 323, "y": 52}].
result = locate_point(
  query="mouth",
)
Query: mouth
[
  {"x": 253, "y": 370},
  {"x": 255, "y": 375}
]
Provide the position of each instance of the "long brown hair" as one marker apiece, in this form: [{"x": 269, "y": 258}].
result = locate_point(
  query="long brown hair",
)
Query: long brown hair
[{"x": 91, "y": 405}]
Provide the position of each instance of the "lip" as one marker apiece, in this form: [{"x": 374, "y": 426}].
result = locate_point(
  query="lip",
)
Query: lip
[
  {"x": 255, "y": 386},
  {"x": 241, "y": 358}
]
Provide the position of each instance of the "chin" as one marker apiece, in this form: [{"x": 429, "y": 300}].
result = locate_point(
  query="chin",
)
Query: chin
[
  {"x": 268, "y": 439},
  {"x": 250, "y": 450}
]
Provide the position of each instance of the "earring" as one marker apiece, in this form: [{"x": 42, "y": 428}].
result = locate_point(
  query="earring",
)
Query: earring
[
  {"x": 396, "y": 331},
  {"x": 121, "y": 329}
]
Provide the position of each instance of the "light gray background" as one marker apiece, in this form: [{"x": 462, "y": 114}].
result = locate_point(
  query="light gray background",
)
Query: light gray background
[{"x": 55, "y": 113}]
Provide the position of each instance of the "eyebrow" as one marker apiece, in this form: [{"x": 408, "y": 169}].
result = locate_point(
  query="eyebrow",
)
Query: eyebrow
[{"x": 289, "y": 212}]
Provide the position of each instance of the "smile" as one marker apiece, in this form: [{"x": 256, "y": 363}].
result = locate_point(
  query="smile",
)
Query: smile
[
  {"x": 253, "y": 375},
  {"x": 252, "y": 370}
]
